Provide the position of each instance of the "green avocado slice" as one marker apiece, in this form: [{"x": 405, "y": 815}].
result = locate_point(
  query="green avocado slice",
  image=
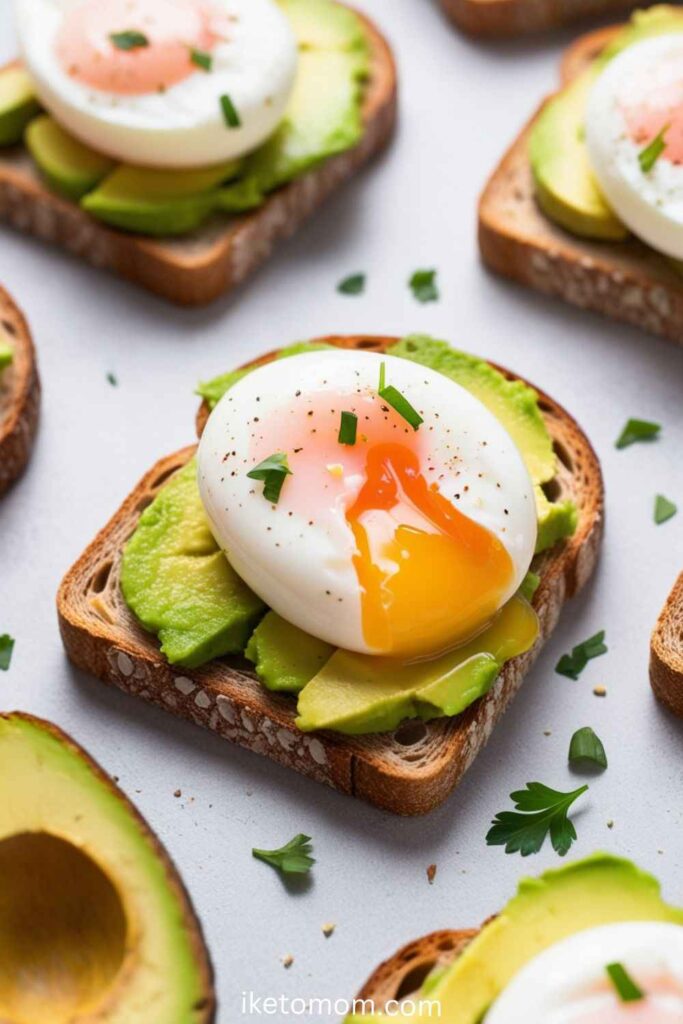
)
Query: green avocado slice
[
  {"x": 178, "y": 582},
  {"x": 321, "y": 25},
  {"x": 285, "y": 657},
  {"x": 6, "y": 355},
  {"x": 18, "y": 104},
  {"x": 67, "y": 165}
]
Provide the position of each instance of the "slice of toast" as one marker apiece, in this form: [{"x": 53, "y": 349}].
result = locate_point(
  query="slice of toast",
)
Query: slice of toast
[
  {"x": 516, "y": 17},
  {"x": 666, "y": 652},
  {"x": 195, "y": 269},
  {"x": 624, "y": 280},
  {"x": 19, "y": 395},
  {"x": 409, "y": 771}
]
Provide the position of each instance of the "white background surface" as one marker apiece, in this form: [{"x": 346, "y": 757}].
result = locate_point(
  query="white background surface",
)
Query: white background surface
[{"x": 461, "y": 104}]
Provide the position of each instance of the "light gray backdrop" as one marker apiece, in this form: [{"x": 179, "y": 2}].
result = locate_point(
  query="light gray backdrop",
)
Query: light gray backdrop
[{"x": 461, "y": 103}]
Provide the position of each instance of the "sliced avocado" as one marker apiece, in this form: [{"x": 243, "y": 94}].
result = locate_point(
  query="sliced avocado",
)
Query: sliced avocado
[
  {"x": 6, "y": 354},
  {"x": 285, "y": 657},
  {"x": 94, "y": 920},
  {"x": 596, "y": 891},
  {"x": 656, "y": 21},
  {"x": 355, "y": 693},
  {"x": 556, "y": 520},
  {"x": 158, "y": 202},
  {"x": 68, "y": 166},
  {"x": 18, "y": 104},
  {"x": 213, "y": 390},
  {"x": 321, "y": 25},
  {"x": 178, "y": 582}
]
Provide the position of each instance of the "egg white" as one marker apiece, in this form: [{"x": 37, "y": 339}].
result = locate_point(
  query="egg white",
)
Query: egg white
[
  {"x": 184, "y": 126},
  {"x": 305, "y": 572},
  {"x": 554, "y": 987},
  {"x": 649, "y": 204}
]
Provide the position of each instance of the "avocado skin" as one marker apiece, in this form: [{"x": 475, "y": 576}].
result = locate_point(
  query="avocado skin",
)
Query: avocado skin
[
  {"x": 566, "y": 190},
  {"x": 68, "y": 166},
  {"x": 18, "y": 104}
]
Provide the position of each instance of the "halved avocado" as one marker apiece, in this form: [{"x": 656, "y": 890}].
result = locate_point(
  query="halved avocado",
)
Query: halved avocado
[
  {"x": 94, "y": 921},
  {"x": 67, "y": 165},
  {"x": 18, "y": 104}
]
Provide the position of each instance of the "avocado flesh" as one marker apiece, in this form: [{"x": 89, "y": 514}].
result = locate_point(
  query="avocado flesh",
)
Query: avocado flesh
[
  {"x": 92, "y": 920},
  {"x": 321, "y": 25},
  {"x": 285, "y": 657},
  {"x": 566, "y": 189},
  {"x": 356, "y": 693},
  {"x": 6, "y": 355},
  {"x": 18, "y": 104},
  {"x": 68, "y": 166},
  {"x": 179, "y": 584}
]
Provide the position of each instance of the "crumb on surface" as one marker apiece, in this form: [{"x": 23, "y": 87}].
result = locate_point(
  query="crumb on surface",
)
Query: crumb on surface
[
  {"x": 600, "y": 691},
  {"x": 431, "y": 873},
  {"x": 287, "y": 960},
  {"x": 328, "y": 929}
]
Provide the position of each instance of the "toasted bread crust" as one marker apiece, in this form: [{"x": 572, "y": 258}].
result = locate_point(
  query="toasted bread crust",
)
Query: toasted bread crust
[
  {"x": 666, "y": 652},
  {"x": 409, "y": 771},
  {"x": 19, "y": 395},
  {"x": 515, "y": 17},
  {"x": 196, "y": 269},
  {"x": 626, "y": 280}
]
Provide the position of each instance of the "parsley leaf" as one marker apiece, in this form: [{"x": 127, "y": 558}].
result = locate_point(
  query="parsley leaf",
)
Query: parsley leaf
[
  {"x": 294, "y": 858},
  {"x": 626, "y": 987},
  {"x": 230, "y": 115},
  {"x": 543, "y": 810},
  {"x": 272, "y": 471},
  {"x": 664, "y": 509},
  {"x": 586, "y": 748},
  {"x": 353, "y": 285},
  {"x": 649, "y": 156},
  {"x": 201, "y": 59},
  {"x": 637, "y": 430},
  {"x": 423, "y": 285},
  {"x": 6, "y": 648},
  {"x": 572, "y": 665},
  {"x": 129, "y": 40},
  {"x": 112, "y": 380}
]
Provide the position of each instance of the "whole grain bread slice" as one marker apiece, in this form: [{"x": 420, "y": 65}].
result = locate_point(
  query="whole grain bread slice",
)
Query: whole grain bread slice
[
  {"x": 19, "y": 394},
  {"x": 195, "y": 269},
  {"x": 623, "y": 280},
  {"x": 409, "y": 771},
  {"x": 666, "y": 652},
  {"x": 516, "y": 17}
]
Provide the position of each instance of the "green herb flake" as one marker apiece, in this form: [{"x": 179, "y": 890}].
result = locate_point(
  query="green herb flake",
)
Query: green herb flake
[
  {"x": 230, "y": 115},
  {"x": 649, "y": 156},
  {"x": 587, "y": 750},
  {"x": 353, "y": 285},
  {"x": 393, "y": 397},
  {"x": 6, "y": 648},
  {"x": 572, "y": 665},
  {"x": 638, "y": 430},
  {"x": 272, "y": 471},
  {"x": 664, "y": 509},
  {"x": 129, "y": 40},
  {"x": 292, "y": 859},
  {"x": 201, "y": 59},
  {"x": 627, "y": 990},
  {"x": 348, "y": 428},
  {"x": 423, "y": 285},
  {"x": 113, "y": 380},
  {"x": 539, "y": 812}
]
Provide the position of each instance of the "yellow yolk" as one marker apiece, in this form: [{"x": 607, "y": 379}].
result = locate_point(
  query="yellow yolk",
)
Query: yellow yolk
[{"x": 430, "y": 577}]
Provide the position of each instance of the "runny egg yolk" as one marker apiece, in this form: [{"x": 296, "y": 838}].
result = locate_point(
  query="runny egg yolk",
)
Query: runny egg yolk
[
  {"x": 162, "y": 35},
  {"x": 430, "y": 577}
]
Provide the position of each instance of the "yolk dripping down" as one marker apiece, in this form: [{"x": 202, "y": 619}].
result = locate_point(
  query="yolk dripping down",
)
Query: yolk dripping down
[{"x": 430, "y": 577}]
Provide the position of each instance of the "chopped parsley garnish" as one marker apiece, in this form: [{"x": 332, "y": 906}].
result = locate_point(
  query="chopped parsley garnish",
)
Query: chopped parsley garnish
[
  {"x": 423, "y": 285},
  {"x": 230, "y": 115},
  {"x": 572, "y": 665},
  {"x": 6, "y": 648},
  {"x": 348, "y": 428},
  {"x": 664, "y": 509},
  {"x": 292, "y": 859},
  {"x": 649, "y": 156},
  {"x": 353, "y": 285},
  {"x": 201, "y": 59},
  {"x": 638, "y": 430},
  {"x": 393, "y": 397},
  {"x": 112, "y": 380},
  {"x": 129, "y": 40},
  {"x": 539, "y": 811},
  {"x": 272, "y": 471},
  {"x": 586, "y": 748},
  {"x": 627, "y": 990}
]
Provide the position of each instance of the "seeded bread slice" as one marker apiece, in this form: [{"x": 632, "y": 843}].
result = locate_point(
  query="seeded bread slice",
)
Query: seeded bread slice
[
  {"x": 666, "y": 652},
  {"x": 19, "y": 394},
  {"x": 409, "y": 771},
  {"x": 516, "y": 17},
  {"x": 197, "y": 268},
  {"x": 623, "y": 280}
]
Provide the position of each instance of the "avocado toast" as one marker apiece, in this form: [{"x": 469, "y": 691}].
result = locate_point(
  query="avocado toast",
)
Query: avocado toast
[
  {"x": 616, "y": 275},
  {"x": 666, "y": 652},
  {"x": 19, "y": 392},
  {"x": 220, "y": 252},
  {"x": 408, "y": 770}
]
